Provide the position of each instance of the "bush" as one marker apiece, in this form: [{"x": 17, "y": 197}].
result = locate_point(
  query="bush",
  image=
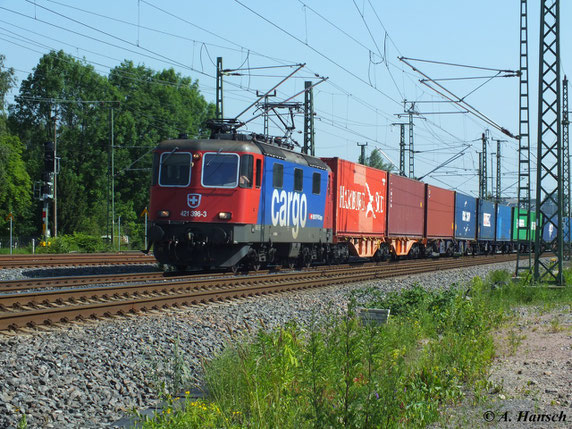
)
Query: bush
[{"x": 77, "y": 242}]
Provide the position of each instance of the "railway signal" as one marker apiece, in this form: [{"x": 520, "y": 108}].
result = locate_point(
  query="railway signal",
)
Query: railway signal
[{"x": 49, "y": 171}]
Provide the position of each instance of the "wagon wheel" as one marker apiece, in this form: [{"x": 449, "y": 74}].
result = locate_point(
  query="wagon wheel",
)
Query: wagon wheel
[
  {"x": 254, "y": 260},
  {"x": 306, "y": 257},
  {"x": 289, "y": 263},
  {"x": 450, "y": 251}
]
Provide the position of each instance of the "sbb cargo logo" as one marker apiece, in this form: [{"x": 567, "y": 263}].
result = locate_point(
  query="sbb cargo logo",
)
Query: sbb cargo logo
[
  {"x": 289, "y": 209},
  {"x": 356, "y": 200}
]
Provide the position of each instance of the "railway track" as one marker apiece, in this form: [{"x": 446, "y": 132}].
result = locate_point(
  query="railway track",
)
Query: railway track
[
  {"x": 74, "y": 259},
  {"x": 32, "y": 309}
]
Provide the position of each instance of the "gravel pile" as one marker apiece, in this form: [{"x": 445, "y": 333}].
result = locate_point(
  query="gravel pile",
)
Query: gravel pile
[{"x": 90, "y": 375}]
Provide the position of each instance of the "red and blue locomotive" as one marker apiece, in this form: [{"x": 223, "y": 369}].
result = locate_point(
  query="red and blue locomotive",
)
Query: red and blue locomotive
[{"x": 237, "y": 200}]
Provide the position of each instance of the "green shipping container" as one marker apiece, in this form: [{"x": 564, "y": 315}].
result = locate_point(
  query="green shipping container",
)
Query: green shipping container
[{"x": 522, "y": 219}]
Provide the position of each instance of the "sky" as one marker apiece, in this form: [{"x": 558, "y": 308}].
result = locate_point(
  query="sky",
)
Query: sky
[{"x": 355, "y": 44}]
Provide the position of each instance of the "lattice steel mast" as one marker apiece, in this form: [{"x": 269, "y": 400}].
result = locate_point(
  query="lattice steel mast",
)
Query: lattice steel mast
[
  {"x": 309, "y": 147},
  {"x": 549, "y": 192},
  {"x": 219, "y": 90},
  {"x": 566, "y": 168},
  {"x": 402, "y": 149},
  {"x": 483, "y": 183},
  {"x": 524, "y": 238}
]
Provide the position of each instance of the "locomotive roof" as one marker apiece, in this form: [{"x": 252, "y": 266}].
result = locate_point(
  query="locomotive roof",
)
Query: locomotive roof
[{"x": 252, "y": 146}]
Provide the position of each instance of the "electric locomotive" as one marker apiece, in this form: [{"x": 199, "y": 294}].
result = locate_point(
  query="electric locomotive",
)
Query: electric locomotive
[{"x": 236, "y": 200}]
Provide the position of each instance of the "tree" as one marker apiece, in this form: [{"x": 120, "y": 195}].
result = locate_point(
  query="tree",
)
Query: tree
[
  {"x": 16, "y": 189},
  {"x": 148, "y": 107},
  {"x": 7, "y": 81},
  {"x": 375, "y": 160},
  {"x": 82, "y": 134},
  {"x": 155, "y": 106}
]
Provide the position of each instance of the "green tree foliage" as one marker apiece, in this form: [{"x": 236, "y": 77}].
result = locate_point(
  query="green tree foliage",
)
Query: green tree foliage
[
  {"x": 7, "y": 81},
  {"x": 147, "y": 106},
  {"x": 155, "y": 106},
  {"x": 15, "y": 192},
  {"x": 376, "y": 160},
  {"x": 15, "y": 183},
  {"x": 81, "y": 138}
]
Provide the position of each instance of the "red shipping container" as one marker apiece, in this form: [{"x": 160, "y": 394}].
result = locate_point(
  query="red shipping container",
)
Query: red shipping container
[
  {"x": 359, "y": 199},
  {"x": 440, "y": 212},
  {"x": 405, "y": 207}
]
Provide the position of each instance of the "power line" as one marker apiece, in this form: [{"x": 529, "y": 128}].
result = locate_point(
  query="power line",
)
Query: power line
[{"x": 317, "y": 52}]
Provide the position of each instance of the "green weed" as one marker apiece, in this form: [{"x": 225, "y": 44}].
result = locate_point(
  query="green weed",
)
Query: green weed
[{"x": 337, "y": 372}]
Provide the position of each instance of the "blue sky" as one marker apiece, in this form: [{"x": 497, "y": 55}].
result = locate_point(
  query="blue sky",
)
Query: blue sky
[{"x": 353, "y": 43}]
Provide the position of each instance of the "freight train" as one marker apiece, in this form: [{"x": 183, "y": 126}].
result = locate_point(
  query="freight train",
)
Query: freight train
[{"x": 238, "y": 200}]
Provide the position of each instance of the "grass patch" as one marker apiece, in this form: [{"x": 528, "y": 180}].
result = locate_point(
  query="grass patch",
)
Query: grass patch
[{"x": 340, "y": 373}]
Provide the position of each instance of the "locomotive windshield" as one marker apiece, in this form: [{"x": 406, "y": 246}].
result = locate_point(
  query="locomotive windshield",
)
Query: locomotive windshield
[
  {"x": 220, "y": 170},
  {"x": 175, "y": 169}
]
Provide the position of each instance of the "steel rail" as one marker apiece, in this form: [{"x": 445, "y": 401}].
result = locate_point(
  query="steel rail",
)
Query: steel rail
[
  {"x": 196, "y": 291},
  {"x": 38, "y": 261},
  {"x": 72, "y": 281}
]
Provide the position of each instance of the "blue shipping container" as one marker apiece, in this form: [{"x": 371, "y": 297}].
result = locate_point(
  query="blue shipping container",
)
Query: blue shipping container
[
  {"x": 487, "y": 220},
  {"x": 504, "y": 222},
  {"x": 465, "y": 216}
]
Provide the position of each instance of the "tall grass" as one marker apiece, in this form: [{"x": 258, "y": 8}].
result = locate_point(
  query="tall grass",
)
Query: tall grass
[{"x": 340, "y": 373}]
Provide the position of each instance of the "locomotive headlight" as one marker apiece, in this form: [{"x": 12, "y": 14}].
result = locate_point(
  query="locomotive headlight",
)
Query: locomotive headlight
[
  {"x": 196, "y": 156},
  {"x": 224, "y": 215},
  {"x": 163, "y": 213}
]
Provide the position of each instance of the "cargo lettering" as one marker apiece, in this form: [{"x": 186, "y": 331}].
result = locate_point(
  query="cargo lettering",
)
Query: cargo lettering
[
  {"x": 361, "y": 201},
  {"x": 289, "y": 209}
]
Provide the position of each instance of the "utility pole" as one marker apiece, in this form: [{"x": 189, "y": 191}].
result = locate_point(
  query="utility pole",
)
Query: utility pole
[
  {"x": 523, "y": 229},
  {"x": 483, "y": 184},
  {"x": 219, "y": 72},
  {"x": 566, "y": 169},
  {"x": 549, "y": 192},
  {"x": 401, "y": 146},
  {"x": 309, "y": 119},
  {"x": 362, "y": 159},
  {"x": 112, "y": 147},
  {"x": 498, "y": 185},
  {"x": 411, "y": 152},
  {"x": 402, "y": 150},
  {"x": 55, "y": 170},
  {"x": 480, "y": 174},
  {"x": 410, "y": 113}
]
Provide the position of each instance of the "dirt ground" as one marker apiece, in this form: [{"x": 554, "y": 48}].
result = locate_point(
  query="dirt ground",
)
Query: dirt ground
[{"x": 531, "y": 377}]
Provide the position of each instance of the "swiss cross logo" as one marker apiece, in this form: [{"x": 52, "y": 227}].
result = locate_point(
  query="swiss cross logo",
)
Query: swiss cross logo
[{"x": 193, "y": 200}]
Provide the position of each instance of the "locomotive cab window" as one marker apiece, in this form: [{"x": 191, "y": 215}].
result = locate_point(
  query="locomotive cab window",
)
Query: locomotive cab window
[
  {"x": 246, "y": 171},
  {"x": 277, "y": 175},
  {"x": 220, "y": 170},
  {"x": 316, "y": 183},
  {"x": 298, "y": 179},
  {"x": 258, "y": 173},
  {"x": 175, "y": 169}
]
